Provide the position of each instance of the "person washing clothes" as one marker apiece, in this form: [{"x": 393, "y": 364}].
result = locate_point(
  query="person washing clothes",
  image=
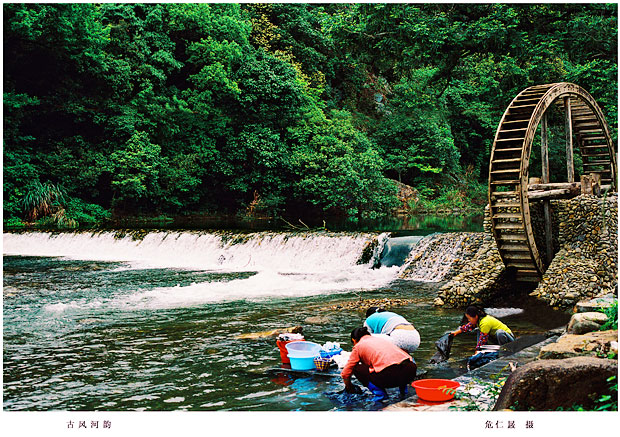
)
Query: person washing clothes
[
  {"x": 378, "y": 364},
  {"x": 396, "y": 327},
  {"x": 490, "y": 328}
]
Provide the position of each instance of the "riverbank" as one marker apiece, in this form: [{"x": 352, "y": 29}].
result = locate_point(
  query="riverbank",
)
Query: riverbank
[
  {"x": 480, "y": 387},
  {"x": 533, "y": 372}
]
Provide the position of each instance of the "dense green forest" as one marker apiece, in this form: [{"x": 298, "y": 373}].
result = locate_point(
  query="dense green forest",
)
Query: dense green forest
[{"x": 113, "y": 110}]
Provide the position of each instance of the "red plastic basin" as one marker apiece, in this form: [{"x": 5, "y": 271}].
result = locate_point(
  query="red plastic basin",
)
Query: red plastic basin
[{"x": 435, "y": 390}]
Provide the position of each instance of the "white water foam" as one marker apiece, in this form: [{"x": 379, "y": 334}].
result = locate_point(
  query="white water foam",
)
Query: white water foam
[
  {"x": 503, "y": 312},
  {"x": 263, "y": 285},
  {"x": 233, "y": 252},
  {"x": 60, "y": 307},
  {"x": 287, "y": 265}
]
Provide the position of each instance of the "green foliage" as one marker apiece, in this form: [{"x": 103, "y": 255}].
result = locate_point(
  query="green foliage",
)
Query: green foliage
[
  {"x": 339, "y": 168},
  {"x": 42, "y": 200},
  {"x": 612, "y": 317},
  {"x": 14, "y": 222},
  {"x": 477, "y": 391},
  {"x": 136, "y": 170},
  {"x": 609, "y": 402},
  {"x": 84, "y": 213},
  {"x": 46, "y": 205},
  {"x": 167, "y": 108},
  {"x": 58, "y": 220},
  {"x": 465, "y": 193}
]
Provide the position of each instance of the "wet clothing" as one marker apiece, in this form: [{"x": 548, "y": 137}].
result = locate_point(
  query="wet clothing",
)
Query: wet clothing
[
  {"x": 490, "y": 326},
  {"x": 444, "y": 346},
  {"x": 390, "y": 323},
  {"x": 481, "y": 358},
  {"x": 377, "y": 360}
]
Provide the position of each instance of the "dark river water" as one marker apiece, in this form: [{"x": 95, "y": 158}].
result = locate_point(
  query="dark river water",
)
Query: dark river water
[{"x": 85, "y": 329}]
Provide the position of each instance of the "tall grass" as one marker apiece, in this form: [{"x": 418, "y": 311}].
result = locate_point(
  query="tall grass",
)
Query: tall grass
[
  {"x": 46, "y": 202},
  {"x": 42, "y": 200}
]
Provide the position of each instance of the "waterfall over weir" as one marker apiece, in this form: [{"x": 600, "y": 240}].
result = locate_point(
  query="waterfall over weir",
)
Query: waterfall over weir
[
  {"x": 394, "y": 251},
  {"x": 255, "y": 265},
  {"x": 437, "y": 257},
  {"x": 284, "y": 252},
  {"x": 271, "y": 264}
]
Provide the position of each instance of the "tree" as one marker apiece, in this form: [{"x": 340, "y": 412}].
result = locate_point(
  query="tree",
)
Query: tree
[
  {"x": 136, "y": 171},
  {"x": 182, "y": 108}
]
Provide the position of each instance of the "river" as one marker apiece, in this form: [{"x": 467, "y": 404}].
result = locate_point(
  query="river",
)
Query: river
[{"x": 118, "y": 322}]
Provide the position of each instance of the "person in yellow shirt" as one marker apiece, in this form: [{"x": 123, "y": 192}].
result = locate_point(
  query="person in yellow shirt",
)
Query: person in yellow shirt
[{"x": 491, "y": 329}]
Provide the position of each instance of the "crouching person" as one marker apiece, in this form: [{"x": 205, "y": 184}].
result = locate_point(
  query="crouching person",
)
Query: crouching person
[{"x": 378, "y": 364}]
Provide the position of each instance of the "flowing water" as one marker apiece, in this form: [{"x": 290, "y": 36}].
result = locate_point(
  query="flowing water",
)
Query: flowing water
[{"x": 107, "y": 321}]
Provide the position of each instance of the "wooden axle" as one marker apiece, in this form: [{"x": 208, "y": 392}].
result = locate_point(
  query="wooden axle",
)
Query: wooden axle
[
  {"x": 554, "y": 186},
  {"x": 548, "y": 194},
  {"x": 590, "y": 184}
]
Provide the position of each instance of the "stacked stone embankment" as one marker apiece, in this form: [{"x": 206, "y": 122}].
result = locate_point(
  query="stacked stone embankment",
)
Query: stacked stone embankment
[
  {"x": 585, "y": 264},
  {"x": 480, "y": 278}
]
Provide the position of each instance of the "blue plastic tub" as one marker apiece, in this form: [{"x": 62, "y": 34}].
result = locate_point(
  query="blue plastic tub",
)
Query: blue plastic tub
[{"x": 302, "y": 353}]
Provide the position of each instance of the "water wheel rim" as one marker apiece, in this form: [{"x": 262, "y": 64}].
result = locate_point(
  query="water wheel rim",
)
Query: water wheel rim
[{"x": 532, "y": 103}]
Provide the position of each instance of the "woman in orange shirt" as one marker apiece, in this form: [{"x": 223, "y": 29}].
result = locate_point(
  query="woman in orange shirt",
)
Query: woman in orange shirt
[{"x": 378, "y": 364}]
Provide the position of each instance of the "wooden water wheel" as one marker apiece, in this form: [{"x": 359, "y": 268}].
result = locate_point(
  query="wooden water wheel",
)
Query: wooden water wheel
[{"x": 509, "y": 192}]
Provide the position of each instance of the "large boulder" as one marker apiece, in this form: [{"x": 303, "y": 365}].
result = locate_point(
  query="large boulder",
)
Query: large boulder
[
  {"x": 597, "y": 343},
  {"x": 547, "y": 385},
  {"x": 582, "y": 323}
]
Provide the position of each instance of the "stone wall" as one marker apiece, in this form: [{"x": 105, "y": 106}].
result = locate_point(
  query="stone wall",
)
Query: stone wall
[
  {"x": 480, "y": 278},
  {"x": 585, "y": 264}
]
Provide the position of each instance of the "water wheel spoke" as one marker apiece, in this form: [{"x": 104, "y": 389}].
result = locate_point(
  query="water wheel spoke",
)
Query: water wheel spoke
[
  {"x": 588, "y": 123},
  {"x": 503, "y": 140},
  {"x": 594, "y": 155},
  {"x": 512, "y": 194},
  {"x": 506, "y": 182},
  {"x": 600, "y": 162},
  {"x": 507, "y": 215},
  {"x": 512, "y": 151},
  {"x": 505, "y": 161},
  {"x": 595, "y": 146},
  {"x": 515, "y": 247},
  {"x": 509, "y": 226}
]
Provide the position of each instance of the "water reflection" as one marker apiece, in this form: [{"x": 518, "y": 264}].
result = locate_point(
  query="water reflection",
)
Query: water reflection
[
  {"x": 88, "y": 355},
  {"x": 420, "y": 224}
]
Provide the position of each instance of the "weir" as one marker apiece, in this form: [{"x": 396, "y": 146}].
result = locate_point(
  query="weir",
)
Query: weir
[
  {"x": 438, "y": 257},
  {"x": 200, "y": 250},
  {"x": 429, "y": 259}
]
